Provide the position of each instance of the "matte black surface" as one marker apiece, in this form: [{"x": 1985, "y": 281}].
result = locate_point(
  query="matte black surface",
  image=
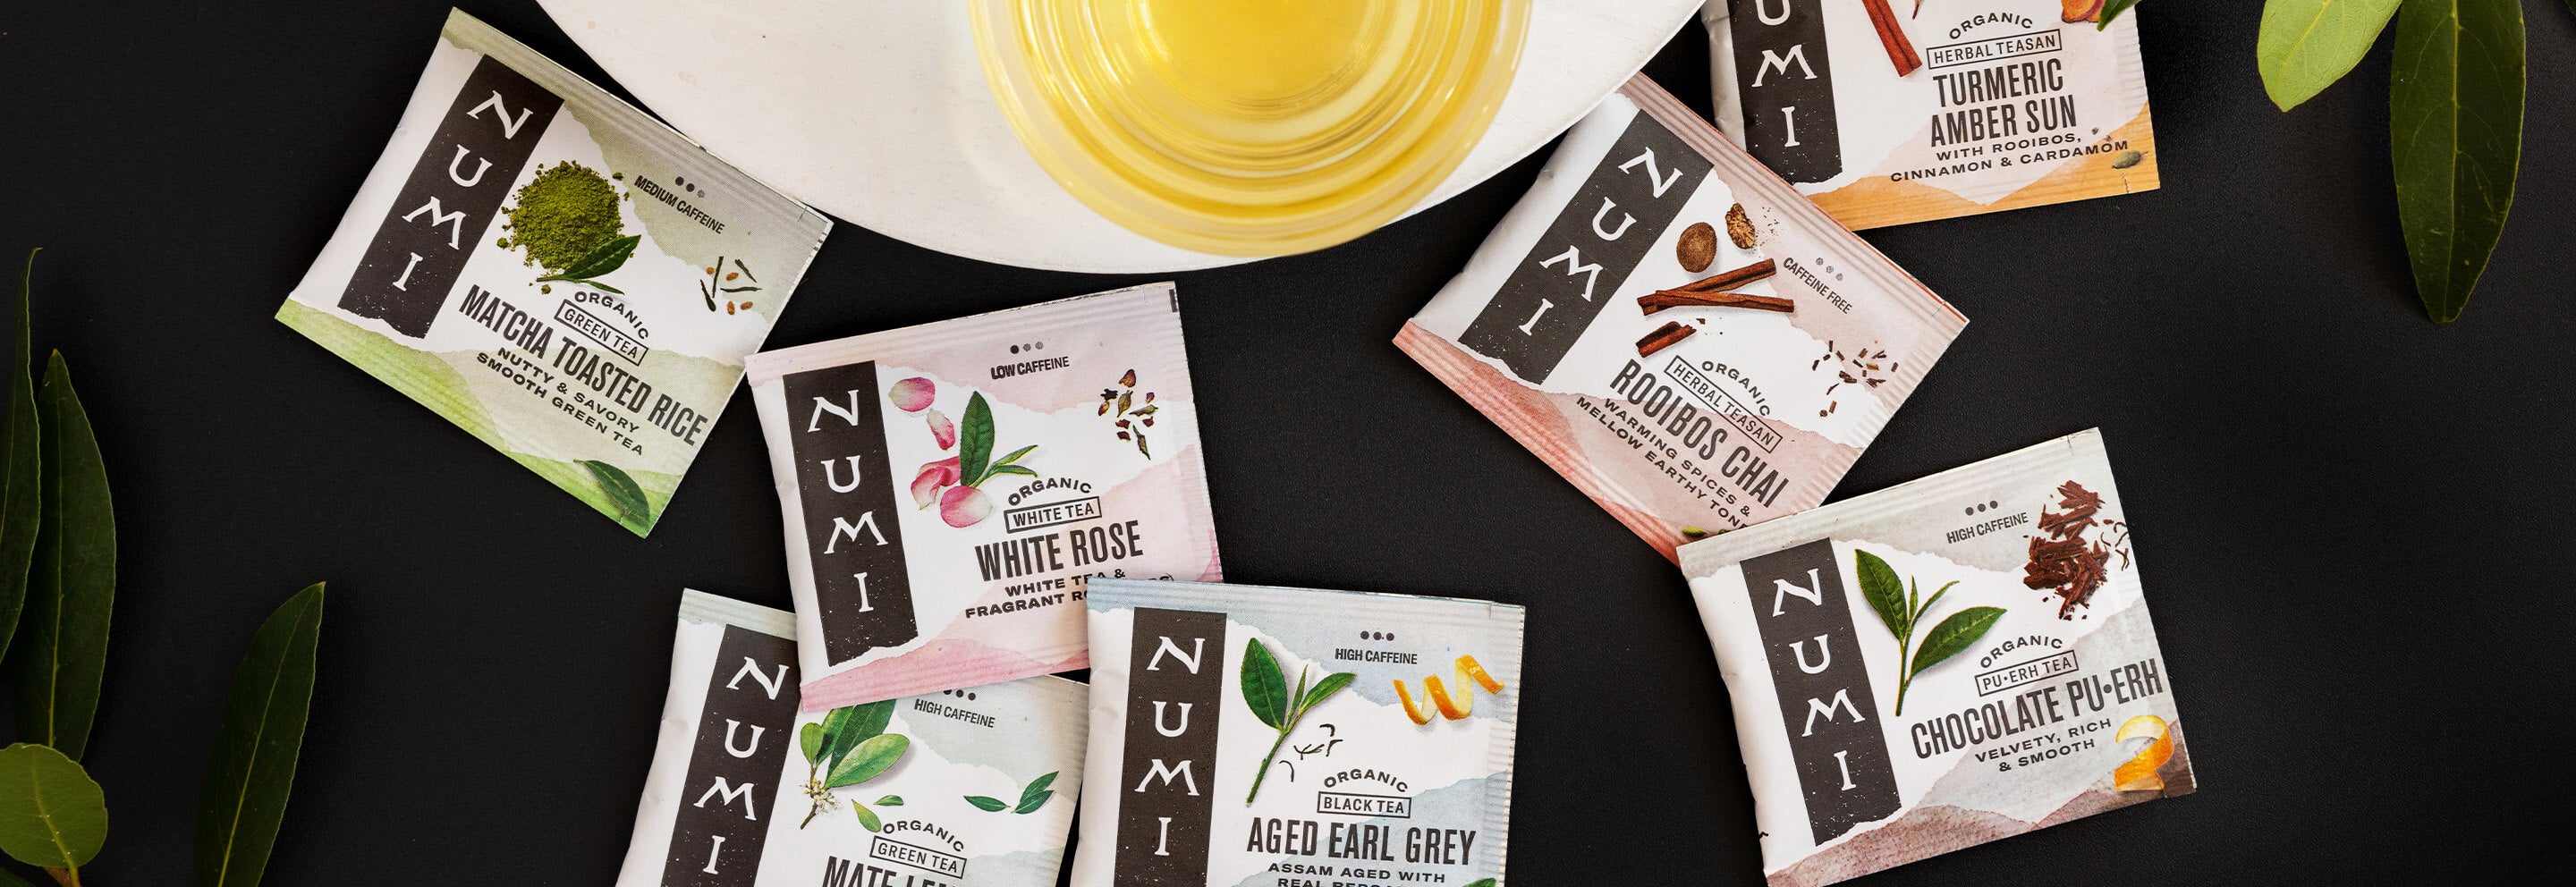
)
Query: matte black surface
[{"x": 2351, "y": 520}]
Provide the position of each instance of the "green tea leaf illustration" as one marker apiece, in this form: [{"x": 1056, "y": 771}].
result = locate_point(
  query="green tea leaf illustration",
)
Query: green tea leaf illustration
[
  {"x": 2111, "y": 10},
  {"x": 866, "y": 721},
  {"x": 253, "y": 769},
  {"x": 1328, "y": 686},
  {"x": 52, "y": 815},
  {"x": 1015, "y": 456},
  {"x": 602, "y": 287},
  {"x": 632, "y": 507},
  {"x": 2307, "y": 45},
  {"x": 1264, "y": 688},
  {"x": 1008, "y": 469},
  {"x": 1484, "y": 882},
  {"x": 867, "y": 818},
  {"x": 890, "y": 801},
  {"x": 811, "y": 740},
  {"x": 835, "y": 728},
  {"x": 975, "y": 435},
  {"x": 21, "y": 501},
  {"x": 2455, "y": 97},
  {"x": 1031, "y": 803},
  {"x": 1954, "y": 634},
  {"x": 1884, "y": 591},
  {"x": 850, "y": 725},
  {"x": 601, "y": 259},
  {"x": 868, "y": 759},
  {"x": 62, "y": 652},
  {"x": 988, "y": 805}
]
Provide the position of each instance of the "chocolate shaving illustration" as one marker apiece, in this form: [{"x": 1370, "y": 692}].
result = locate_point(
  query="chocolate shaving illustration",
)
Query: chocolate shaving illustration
[{"x": 2062, "y": 560}]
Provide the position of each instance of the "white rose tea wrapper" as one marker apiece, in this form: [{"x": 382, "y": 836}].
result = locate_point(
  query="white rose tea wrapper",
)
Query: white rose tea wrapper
[
  {"x": 1674, "y": 330},
  {"x": 949, "y": 487},
  {"x": 1248, "y": 735},
  {"x": 1894, "y": 111},
  {"x": 1941, "y": 663},
  {"x": 969, "y": 787},
  {"x": 563, "y": 277}
]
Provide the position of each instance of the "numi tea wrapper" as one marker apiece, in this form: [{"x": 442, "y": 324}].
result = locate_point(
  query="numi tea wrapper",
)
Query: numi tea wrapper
[
  {"x": 558, "y": 274},
  {"x": 1941, "y": 663},
  {"x": 967, "y": 787},
  {"x": 1894, "y": 111},
  {"x": 1672, "y": 328},
  {"x": 1243, "y": 735},
  {"x": 948, "y": 488}
]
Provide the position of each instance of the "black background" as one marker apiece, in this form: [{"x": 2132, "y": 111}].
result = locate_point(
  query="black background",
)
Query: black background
[{"x": 2352, "y": 521}]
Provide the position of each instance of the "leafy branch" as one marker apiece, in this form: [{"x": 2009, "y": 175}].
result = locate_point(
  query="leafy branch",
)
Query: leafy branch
[
  {"x": 1900, "y": 606},
  {"x": 1265, "y": 690},
  {"x": 601, "y": 259},
  {"x": 850, "y": 746}
]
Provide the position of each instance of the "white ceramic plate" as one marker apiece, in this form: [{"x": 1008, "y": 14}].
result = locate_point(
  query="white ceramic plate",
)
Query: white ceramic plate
[{"x": 876, "y": 111}]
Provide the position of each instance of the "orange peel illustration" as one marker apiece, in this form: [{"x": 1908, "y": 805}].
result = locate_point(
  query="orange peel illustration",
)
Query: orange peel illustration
[
  {"x": 2138, "y": 774},
  {"x": 1454, "y": 707}
]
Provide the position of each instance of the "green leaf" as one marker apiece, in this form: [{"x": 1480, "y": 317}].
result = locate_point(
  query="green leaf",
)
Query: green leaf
[
  {"x": 1023, "y": 451},
  {"x": 975, "y": 435},
  {"x": 867, "y": 818},
  {"x": 602, "y": 287},
  {"x": 1008, "y": 469},
  {"x": 2455, "y": 127},
  {"x": 601, "y": 259},
  {"x": 1035, "y": 795},
  {"x": 835, "y": 728},
  {"x": 1484, "y": 882},
  {"x": 1265, "y": 689},
  {"x": 1031, "y": 803},
  {"x": 22, "y": 472},
  {"x": 52, "y": 815},
  {"x": 864, "y": 722},
  {"x": 811, "y": 740},
  {"x": 1936, "y": 597},
  {"x": 632, "y": 508},
  {"x": 253, "y": 770},
  {"x": 1882, "y": 589},
  {"x": 890, "y": 801},
  {"x": 2112, "y": 10},
  {"x": 61, "y": 654},
  {"x": 2307, "y": 45},
  {"x": 988, "y": 805},
  {"x": 1954, "y": 634},
  {"x": 869, "y": 759},
  {"x": 1331, "y": 684}
]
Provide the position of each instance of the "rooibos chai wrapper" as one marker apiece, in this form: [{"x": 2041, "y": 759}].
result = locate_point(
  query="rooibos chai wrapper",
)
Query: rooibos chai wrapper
[
  {"x": 560, "y": 275},
  {"x": 1677, "y": 332},
  {"x": 1940, "y": 664},
  {"x": 948, "y": 487},
  {"x": 1243, "y": 732}
]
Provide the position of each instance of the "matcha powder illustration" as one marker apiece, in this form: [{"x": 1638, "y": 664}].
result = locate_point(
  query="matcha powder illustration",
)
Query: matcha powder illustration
[{"x": 563, "y": 213}]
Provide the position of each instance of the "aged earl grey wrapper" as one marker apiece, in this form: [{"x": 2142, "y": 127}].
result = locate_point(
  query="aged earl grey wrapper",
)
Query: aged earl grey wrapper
[
  {"x": 1941, "y": 663},
  {"x": 563, "y": 277}
]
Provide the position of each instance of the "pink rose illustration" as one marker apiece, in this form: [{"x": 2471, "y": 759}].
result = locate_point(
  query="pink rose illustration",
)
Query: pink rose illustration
[
  {"x": 934, "y": 476},
  {"x": 964, "y": 506},
  {"x": 911, "y": 395},
  {"x": 942, "y": 430}
]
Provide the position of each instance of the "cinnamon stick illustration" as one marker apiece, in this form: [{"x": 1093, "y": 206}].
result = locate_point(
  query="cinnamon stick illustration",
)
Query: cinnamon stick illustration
[
  {"x": 1662, "y": 299},
  {"x": 1892, "y": 36},
  {"x": 1729, "y": 279},
  {"x": 1663, "y": 337}
]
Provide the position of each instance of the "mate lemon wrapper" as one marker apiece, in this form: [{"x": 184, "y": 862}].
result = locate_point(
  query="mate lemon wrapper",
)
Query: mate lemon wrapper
[
  {"x": 563, "y": 277},
  {"x": 1941, "y": 663},
  {"x": 1674, "y": 330},
  {"x": 1889, "y": 111},
  {"x": 1245, "y": 735},
  {"x": 967, "y": 787},
  {"x": 948, "y": 488}
]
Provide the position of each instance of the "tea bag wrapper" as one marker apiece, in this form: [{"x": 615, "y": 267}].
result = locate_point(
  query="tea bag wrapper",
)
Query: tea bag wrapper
[
  {"x": 1941, "y": 663},
  {"x": 948, "y": 488},
  {"x": 1255, "y": 735},
  {"x": 969, "y": 787},
  {"x": 1676, "y": 331},
  {"x": 565, "y": 278},
  {"x": 1894, "y": 111}
]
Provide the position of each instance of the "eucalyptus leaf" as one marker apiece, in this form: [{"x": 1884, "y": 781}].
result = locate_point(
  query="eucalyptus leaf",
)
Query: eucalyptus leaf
[
  {"x": 2455, "y": 100},
  {"x": 868, "y": 760},
  {"x": 601, "y": 259},
  {"x": 1264, "y": 688},
  {"x": 975, "y": 435},
  {"x": 61, "y": 653},
  {"x": 1031, "y": 803},
  {"x": 2307, "y": 45},
  {"x": 2112, "y": 10},
  {"x": 253, "y": 770},
  {"x": 1954, "y": 634},
  {"x": 1885, "y": 592},
  {"x": 867, "y": 818},
  {"x": 21, "y": 468},
  {"x": 52, "y": 815},
  {"x": 633, "y": 508},
  {"x": 810, "y": 739},
  {"x": 1331, "y": 684},
  {"x": 988, "y": 805},
  {"x": 1036, "y": 787}
]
